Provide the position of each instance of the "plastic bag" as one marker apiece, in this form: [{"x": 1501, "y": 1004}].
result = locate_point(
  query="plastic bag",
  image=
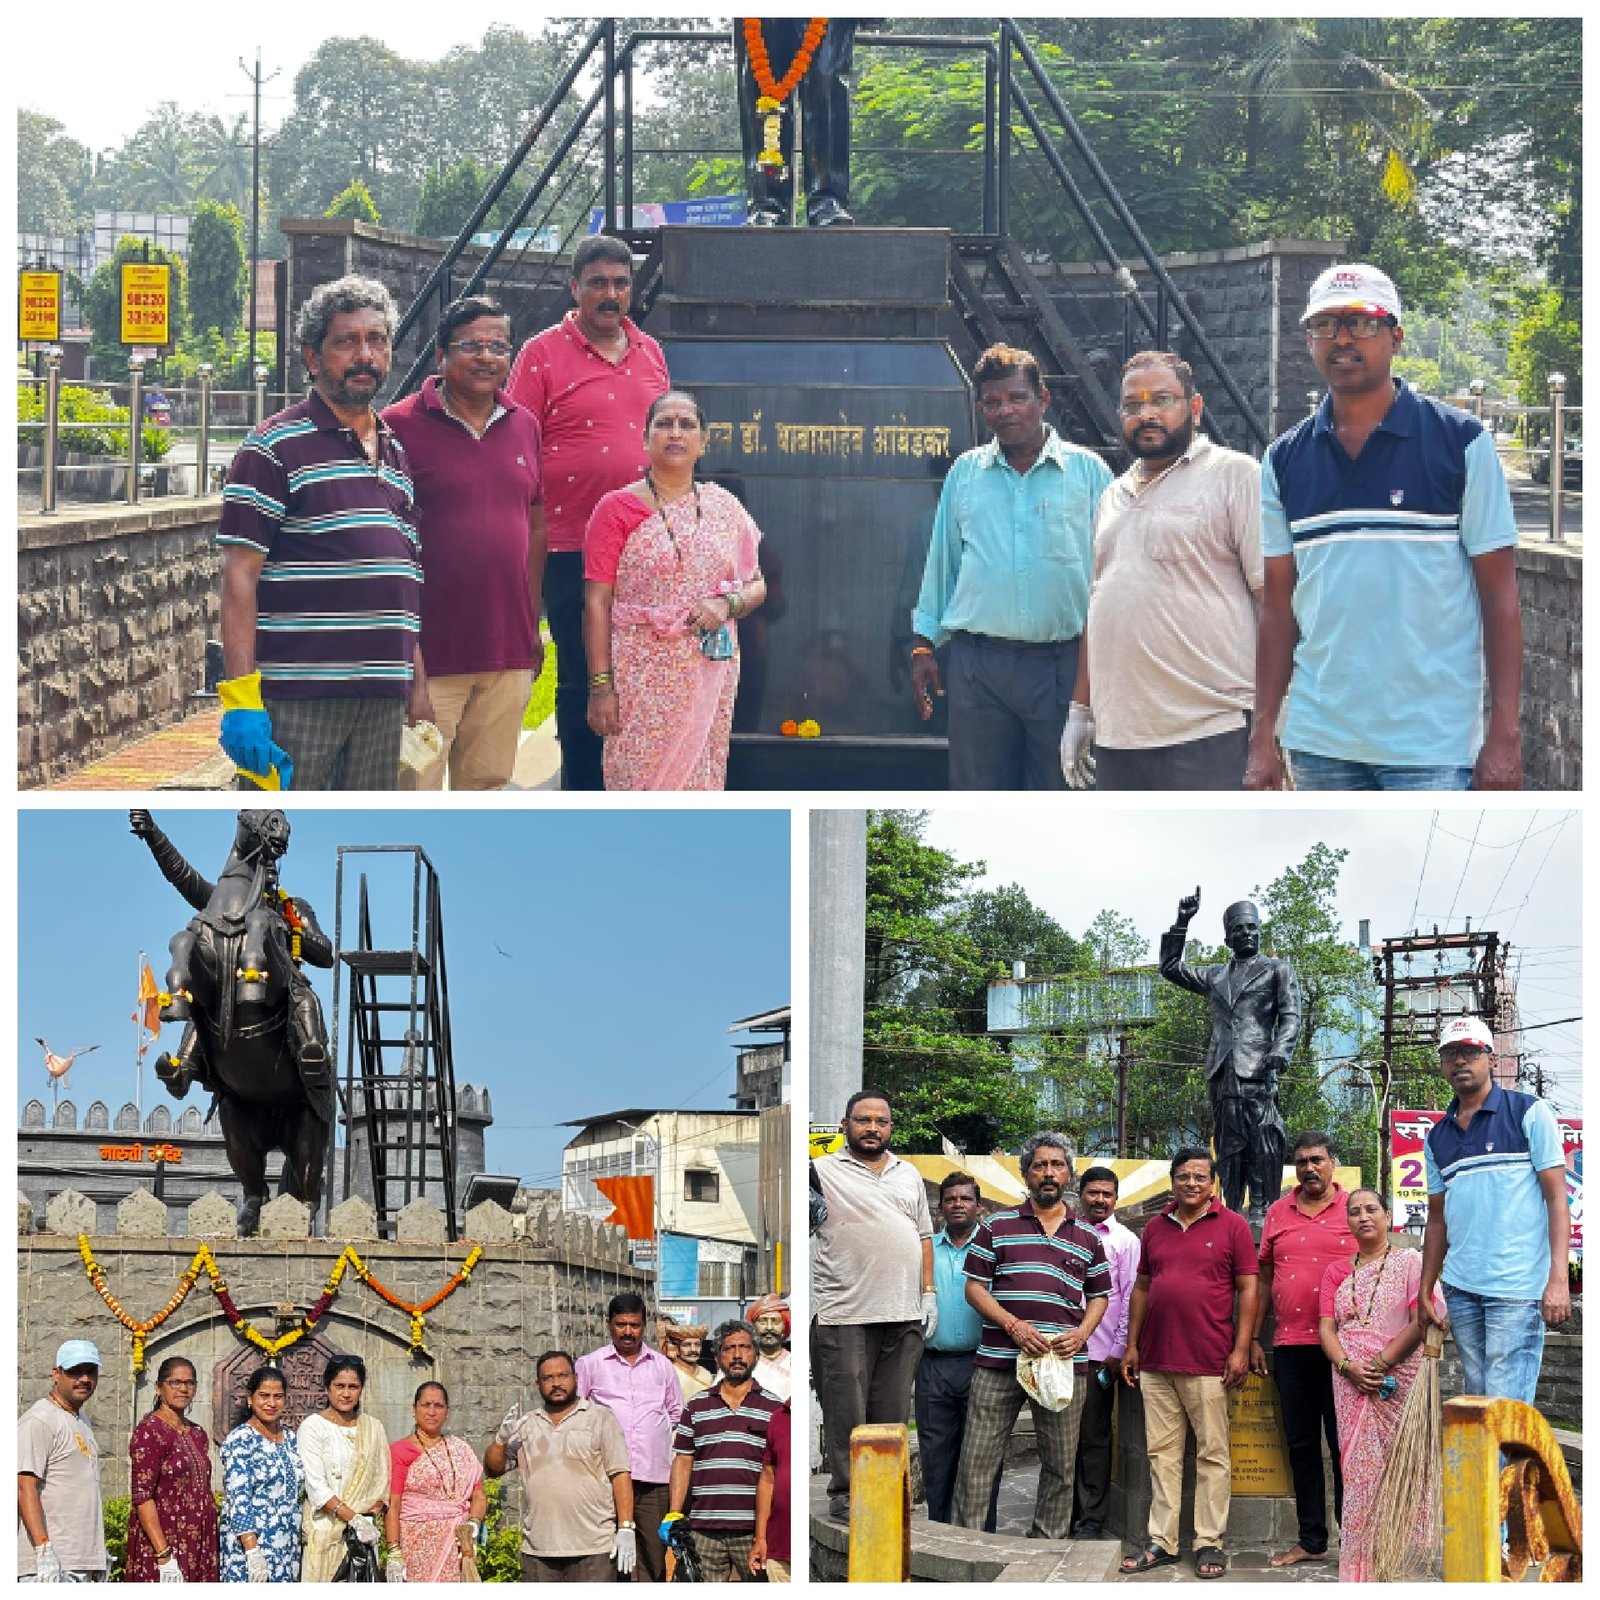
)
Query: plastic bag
[{"x": 1046, "y": 1379}]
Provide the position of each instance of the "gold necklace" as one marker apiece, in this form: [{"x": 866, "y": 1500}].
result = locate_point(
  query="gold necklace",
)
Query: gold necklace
[
  {"x": 428, "y": 1449},
  {"x": 1377, "y": 1283}
]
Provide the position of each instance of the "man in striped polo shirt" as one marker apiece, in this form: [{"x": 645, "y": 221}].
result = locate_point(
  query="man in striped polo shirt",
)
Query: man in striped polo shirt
[
  {"x": 321, "y": 576},
  {"x": 718, "y": 1454},
  {"x": 1499, "y": 1225},
  {"x": 1389, "y": 551},
  {"x": 1038, "y": 1277}
]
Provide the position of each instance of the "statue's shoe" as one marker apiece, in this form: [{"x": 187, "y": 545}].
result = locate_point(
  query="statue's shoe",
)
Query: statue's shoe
[
  {"x": 828, "y": 213},
  {"x": 766, "y": 217},
  {"x": 174, "y": 1076}
]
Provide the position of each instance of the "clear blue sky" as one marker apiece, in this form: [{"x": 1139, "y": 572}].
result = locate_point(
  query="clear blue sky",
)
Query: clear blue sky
[{"x": 634, "y": 937}]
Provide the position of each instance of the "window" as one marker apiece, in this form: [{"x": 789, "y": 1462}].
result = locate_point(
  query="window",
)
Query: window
[{"x": 701, "y": 1185}]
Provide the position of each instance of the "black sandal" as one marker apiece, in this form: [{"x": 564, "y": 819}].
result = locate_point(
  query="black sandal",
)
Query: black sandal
[
  {"x": 1209, "y": 1555},
  {"x": 1148, "y": 1559}
]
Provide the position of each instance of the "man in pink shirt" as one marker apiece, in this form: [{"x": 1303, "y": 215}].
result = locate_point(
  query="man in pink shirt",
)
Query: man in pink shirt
[
  {"x": 1305, "y": 1231},
  {"x": 639, "y": 1386},
  {"x": 588, "y": 382}
]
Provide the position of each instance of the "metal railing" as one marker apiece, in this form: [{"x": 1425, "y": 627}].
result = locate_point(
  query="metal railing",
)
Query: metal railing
[{"x": 205, "y": 417}]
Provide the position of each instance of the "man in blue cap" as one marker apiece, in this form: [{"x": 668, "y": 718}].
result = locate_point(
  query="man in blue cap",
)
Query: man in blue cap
[{"x": 60, "y": 1522}]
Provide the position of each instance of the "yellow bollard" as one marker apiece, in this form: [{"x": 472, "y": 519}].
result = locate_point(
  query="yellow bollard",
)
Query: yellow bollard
[{"x": 880, "y": 1503}]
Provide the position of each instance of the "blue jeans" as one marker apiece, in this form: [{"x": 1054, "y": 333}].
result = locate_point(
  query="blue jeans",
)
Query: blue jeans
[
  {"x": 1334, "y": 772},
  {"x": 1500, "y": 1343}
]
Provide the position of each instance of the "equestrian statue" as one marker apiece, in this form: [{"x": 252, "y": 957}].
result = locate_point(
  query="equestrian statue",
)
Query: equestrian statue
[
  {"x": 1255, "y": 1023},
  {"x": 254, "y": 1033}
]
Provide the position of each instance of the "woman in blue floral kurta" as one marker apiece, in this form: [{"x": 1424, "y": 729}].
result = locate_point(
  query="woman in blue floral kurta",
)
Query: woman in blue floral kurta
[{"x": 261, "y": 1485}]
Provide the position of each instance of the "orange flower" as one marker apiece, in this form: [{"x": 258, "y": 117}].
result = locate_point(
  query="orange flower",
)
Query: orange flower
[
  {"x": 761, "y": 62},
  {"x": 790, "y": 728}
]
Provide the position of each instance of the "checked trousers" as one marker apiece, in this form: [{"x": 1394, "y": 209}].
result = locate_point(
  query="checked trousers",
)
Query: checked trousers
[{"x": 994, "y": 1403}]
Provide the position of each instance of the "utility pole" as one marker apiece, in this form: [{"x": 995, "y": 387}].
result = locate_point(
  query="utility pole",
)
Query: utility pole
[
  {"x": 1122, "y": 1094},
  {"x": 838, "y": 958},
  {"x": 256, "y": 80}
]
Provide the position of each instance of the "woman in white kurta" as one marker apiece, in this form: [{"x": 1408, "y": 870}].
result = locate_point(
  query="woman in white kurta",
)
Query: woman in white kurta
[{"x": 345, "y": 1455}]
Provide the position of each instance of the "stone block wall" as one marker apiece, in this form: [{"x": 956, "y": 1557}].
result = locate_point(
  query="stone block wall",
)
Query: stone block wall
[
  {"x": 1550, "y": 588},
  {"x": 114, "y": 607},
  {"x": 546, "y": 1289}
]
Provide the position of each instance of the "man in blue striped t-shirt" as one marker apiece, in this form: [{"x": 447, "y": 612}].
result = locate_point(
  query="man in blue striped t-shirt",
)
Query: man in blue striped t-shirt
[
  {"x": 321, "y": 576},
  {"x": 1389, "y": 549},
  {"x": 1499, "y": 1226},
  {"x": 1038, "y": 1277}
]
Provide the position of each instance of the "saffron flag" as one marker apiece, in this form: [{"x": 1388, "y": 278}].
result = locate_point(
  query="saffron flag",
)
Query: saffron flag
[
  {"x": 634, "y": 1199},
  {"x": 149, "y": 1013}
]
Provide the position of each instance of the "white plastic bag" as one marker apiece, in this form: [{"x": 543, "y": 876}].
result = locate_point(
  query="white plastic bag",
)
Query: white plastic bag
[{"x": 1046, "y": 1379}]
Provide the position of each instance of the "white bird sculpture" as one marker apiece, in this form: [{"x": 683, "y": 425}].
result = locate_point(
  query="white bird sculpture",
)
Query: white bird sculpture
[{"x": 59, "y": 1066}]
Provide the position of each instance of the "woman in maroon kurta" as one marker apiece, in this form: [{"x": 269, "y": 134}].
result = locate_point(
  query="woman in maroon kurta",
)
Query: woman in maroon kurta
[{"x": 174, "y": 1517}]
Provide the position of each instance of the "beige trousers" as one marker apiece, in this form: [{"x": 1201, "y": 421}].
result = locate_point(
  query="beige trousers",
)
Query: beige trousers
[
  {"x": 1173, "y": 1403},
  {"x": 480, "y": 716}
]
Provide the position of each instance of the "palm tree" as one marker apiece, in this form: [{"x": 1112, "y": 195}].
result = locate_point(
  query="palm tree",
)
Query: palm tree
[
  {"x": 223, "y": 159},
  {"x": 157, "y": 165}
]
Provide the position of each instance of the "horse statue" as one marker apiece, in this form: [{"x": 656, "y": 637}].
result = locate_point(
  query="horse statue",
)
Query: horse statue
[{"x": 254, "y": 1035}]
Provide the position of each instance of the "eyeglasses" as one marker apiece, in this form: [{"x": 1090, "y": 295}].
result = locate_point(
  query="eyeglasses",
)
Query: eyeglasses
[
  {"x": 180, "y": 1383},
  {"x": 1158, "y": 402},
  {"x": 1358, "y": 324},
  {"x": 479, "y": 347}
]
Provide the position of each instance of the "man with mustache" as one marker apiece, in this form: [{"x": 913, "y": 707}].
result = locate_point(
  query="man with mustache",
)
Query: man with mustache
[
  {"x": 1389, "y": 549},
  {"x": 1499, "y": 1226},
  {"x": 1039, "y": 1278},
  {"x": 588, "y": 381},
  {"x": 873, "y": 1293},
  {"x": 1007, "y": 584},
  {"x": 60, "y": 1522},
  {"x": 321, "y": 573},
  {"x": 474, "y": 456},
  {"x": 719, "y": 1454},
  {"x": 1166, "y": 672},
  {"x": 577, "y": 1498}
]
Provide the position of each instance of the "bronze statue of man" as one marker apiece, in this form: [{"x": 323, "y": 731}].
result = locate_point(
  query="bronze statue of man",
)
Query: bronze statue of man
[{"x": 1255, "y": 1021}]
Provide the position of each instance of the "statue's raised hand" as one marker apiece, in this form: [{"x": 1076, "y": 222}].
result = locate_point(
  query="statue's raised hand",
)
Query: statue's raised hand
[
  {"x": 1188, "y": 906},
  {"x": 142, "y": 824}
]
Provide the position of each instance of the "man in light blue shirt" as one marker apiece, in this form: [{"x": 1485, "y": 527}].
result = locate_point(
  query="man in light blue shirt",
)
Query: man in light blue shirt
[
  {"x": 1007, "y": 583},
  {"x": 944, "y": 1374}
]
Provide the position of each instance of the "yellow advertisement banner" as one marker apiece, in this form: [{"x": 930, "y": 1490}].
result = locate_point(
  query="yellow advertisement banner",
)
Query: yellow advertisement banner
[
  {"x": 146, "y": 303},
  {"x": 39, "y": 307}
]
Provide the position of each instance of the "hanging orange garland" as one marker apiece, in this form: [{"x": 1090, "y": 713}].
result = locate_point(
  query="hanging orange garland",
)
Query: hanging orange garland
[{"x": 775, "y": 92}]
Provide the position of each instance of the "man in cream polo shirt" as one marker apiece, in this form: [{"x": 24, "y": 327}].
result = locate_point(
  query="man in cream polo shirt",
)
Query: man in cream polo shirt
[
  {"x": 872, "y": 1284},
  {"x": 1166, "y": 677}
]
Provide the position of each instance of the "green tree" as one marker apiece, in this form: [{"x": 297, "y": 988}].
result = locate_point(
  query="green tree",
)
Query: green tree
[
  {"x": 157, "y": 169},
  {"x": 102, "y": 303},
  {"x": 354, "y": 200},
  {"x": 216, "y": 268},
  {"x": 449, "y": 198},
  {"x": 224, "y": 158},
  {"x": 1546, "y": 337},
  {"x": 53, "y": 174}
]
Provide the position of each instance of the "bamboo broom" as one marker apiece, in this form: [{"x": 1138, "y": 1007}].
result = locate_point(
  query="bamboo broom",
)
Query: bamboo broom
[{"x": 1409, "y": 1487}]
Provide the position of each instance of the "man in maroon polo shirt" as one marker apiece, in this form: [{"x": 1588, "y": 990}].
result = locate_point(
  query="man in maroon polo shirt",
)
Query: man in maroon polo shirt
[
  {"x": 1188, "y": 1346},
  {"x": 1305, "y": 1232},
  {"x": 474, "y": 456},
  {"x": 588, "y": 382}
]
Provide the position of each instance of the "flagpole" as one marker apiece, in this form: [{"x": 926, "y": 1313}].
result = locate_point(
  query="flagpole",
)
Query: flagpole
[{"x": 138, "y": 1033}]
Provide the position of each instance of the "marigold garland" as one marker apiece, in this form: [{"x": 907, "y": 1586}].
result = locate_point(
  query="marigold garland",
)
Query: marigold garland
[
  {"x": 204, "y": 1261},
  {"x": 774, "y": 92}
]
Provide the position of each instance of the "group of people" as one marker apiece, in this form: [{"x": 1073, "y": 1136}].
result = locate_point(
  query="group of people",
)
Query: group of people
[
  {"x": 624, "y": 1456},
  {"x": 388, "y": 568},
  {"x": 1204, "y": 621},
  {"x": 946, "y": 1325}
]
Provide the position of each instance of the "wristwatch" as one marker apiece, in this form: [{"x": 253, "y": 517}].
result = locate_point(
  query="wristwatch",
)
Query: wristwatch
[{"x": 624, "y": 1525}]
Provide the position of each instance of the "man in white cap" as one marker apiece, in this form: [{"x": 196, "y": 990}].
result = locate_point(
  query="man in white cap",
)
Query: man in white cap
[
  {"x": 1390, "y": 575},
  {"x": 1498, "y": 1221},
  {"x": 60, "y": 1523}
]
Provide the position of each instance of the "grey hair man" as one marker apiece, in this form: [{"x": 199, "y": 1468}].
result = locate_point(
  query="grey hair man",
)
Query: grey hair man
[
  {"x": 1038, "y": 1277},
  {"x": 321, "y": 568}
]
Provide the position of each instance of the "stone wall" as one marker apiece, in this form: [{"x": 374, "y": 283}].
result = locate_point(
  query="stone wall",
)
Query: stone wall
[
  {"x": 547, "y": 1288},
  {"x": 1550, "y": 587},
  {"x": 114, "y": 607}
]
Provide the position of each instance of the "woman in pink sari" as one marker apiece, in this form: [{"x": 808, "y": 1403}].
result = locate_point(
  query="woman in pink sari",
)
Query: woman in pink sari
[
  {"x": 670, "y": 565},
  {"x": 1369, "y": 1333},
  {"x": 436, "y": 1498}
]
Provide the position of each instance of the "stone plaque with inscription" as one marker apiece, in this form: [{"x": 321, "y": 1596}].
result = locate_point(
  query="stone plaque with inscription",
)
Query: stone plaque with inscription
[{"x": 1259, "y": 1450}]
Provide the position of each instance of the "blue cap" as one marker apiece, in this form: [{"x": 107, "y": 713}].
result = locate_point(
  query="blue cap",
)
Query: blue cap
[{"x": 77, "y": 1353}]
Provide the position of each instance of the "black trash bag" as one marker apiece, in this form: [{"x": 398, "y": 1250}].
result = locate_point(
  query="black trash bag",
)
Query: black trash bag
[
  {"x": 686, "y": 1568},
  {"x": 360, "y": 1564}
]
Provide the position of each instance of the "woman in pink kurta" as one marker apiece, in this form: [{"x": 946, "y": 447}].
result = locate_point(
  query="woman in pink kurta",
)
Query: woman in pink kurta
[
  {"x": 670, "y": 565},
  {"x": 1369, "y": 1331}
]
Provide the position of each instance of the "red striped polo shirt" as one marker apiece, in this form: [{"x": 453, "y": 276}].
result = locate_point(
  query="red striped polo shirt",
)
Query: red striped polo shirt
[
  {"x": 728, "y": 1446},
  {"x": 1045, "y": 1279}
]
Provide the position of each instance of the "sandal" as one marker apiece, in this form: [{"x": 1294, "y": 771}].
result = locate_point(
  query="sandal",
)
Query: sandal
[
  {"x": 1209, "y": 1562},
  {"x": 1148, "y": 1559}
]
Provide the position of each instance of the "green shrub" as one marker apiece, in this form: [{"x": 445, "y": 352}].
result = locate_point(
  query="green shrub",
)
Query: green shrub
[
  {"x": 542, "y": 702},
  {"x": 116, "y": 1516},
  {"x": 87, "y": 424},
  {"x": 500, "y": 1560}
]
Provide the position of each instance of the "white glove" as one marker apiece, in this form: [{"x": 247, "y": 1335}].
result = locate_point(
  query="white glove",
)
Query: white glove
[
  {"x": 1077, "y": 765},
  {"x": 624, "y": 1551},
  {"x": 46, "y": 1564},
  {"x": 394, "y": 1569},
  {"x": 930, "y": 1314},
  {"x": 255, "y": 1565},
  {"x": 169, "y": 1571},
  {"x": 364, "y": 1528},
  {"x": 508, "y": 1424},
  {"x": 472, "y": 1530}
]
